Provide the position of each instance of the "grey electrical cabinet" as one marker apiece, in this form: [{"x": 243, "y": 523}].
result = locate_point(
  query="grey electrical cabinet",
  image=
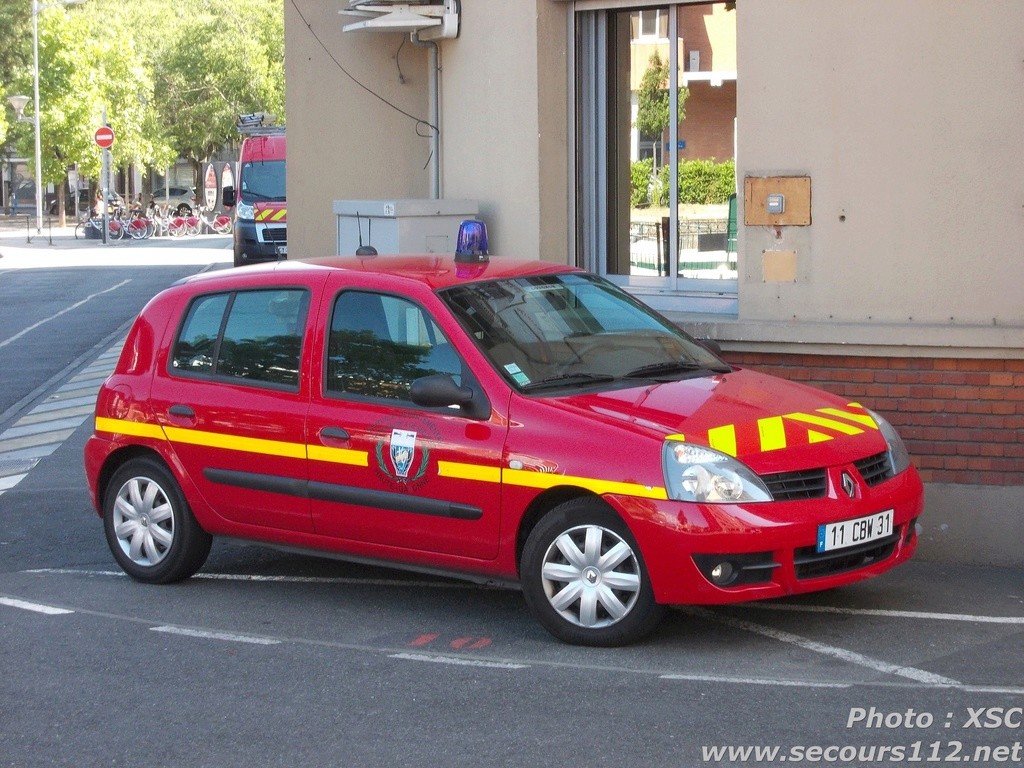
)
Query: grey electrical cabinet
[{"x": 401, "y": 226}]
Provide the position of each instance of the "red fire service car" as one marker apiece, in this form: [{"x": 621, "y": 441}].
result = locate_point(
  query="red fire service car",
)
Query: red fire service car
[{"x": 506, "y": 420}]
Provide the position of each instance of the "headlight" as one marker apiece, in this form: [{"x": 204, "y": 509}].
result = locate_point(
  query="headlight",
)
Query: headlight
[
  {"x": 245, "y": 212},
  {"x": 899, "y": 458},
  {"x": 695, "y": 473}
]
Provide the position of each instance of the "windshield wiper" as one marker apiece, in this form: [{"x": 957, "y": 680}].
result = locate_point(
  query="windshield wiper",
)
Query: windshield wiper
[
  {"x": 568, "y": 379},
  {"x": 671, "y": 367}
]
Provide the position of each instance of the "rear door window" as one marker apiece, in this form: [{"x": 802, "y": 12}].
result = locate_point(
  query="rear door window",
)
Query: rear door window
[{"x": 254, "y": 336}]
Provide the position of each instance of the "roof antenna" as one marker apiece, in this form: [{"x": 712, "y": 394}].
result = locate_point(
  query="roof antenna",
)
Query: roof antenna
[{"x": 365, "y": 250}]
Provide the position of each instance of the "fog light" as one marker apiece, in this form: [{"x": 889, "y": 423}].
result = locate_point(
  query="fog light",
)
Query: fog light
[{"x": 722, "y": 573}]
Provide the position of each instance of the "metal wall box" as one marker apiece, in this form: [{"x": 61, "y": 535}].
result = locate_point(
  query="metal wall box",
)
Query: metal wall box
[{"x": 796, "y": 191}]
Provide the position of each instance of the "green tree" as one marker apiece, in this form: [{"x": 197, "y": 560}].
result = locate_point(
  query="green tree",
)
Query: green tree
[
  {"x": 653, "y": 98},
  {"x": 220, "y": 60}
]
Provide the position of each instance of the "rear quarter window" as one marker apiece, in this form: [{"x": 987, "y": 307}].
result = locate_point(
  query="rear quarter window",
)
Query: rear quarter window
[{"x": 254, "y": 336}]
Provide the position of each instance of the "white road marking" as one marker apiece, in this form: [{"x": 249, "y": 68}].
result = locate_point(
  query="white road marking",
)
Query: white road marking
[
  {"x": 754, "y": 681},
  {"x": 49, "y": 610},
  {"x": 208, "y": 635},
  {"x": 926, "y": 615},
  {"x": 64, "y": 311},
  {"x": 850, "y": 657},
  {"x": 457, "y": 662}
]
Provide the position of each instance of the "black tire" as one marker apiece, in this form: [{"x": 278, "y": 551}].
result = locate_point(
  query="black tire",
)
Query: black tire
[
  {"x": 587, "y": 600},
  {"x": 183, "y": 209},
  {"x": 149, "y": 527}
]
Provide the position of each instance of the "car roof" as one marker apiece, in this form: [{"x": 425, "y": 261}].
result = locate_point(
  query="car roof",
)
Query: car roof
[{"x": 437, "y": 271}]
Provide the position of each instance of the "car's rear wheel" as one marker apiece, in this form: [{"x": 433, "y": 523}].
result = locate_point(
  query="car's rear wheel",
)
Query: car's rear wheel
[
  {"x": 584, "y": 578},
  {"x": 149, "y": 527}
]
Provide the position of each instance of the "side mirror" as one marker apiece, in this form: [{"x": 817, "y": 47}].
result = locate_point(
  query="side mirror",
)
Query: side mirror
[
  {"x": 441, "y": 391},
  {"x": 227, "y": 197}
]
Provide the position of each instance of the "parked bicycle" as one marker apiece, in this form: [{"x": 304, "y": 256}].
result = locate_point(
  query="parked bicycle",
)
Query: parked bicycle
[{"x": 115, "y": 227}]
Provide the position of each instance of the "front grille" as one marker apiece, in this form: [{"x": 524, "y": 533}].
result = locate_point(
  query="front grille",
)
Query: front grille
[
  {"x": 811, "y": 564},
  {"x": 793, "y": 486},
  {"x": 275, "y": 235},
  {"x": 875, "y": 469}
]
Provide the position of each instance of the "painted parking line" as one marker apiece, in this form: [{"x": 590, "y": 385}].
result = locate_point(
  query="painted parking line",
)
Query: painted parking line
[
  {"x": 44, "y": 429},
  {"x": 969, "y": 618},
  {"x": 210, "y": 635},
  {"x": 457, "y": 662},
  {"x": 835, "y": 652},
  {"x": 24, "y": 605}
]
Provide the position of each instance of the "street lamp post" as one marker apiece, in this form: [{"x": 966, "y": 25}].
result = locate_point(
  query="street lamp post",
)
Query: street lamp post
[{"x": 37, "y": 8}]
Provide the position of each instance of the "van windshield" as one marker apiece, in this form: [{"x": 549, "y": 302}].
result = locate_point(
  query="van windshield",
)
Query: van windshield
[{"x": 263, "y": 181}]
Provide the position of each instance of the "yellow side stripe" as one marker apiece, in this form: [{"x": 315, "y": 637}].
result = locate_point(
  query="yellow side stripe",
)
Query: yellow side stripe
[
  {"x": 236, "y": 443},
  {"x": 459, "y": 471},
  {"x": 543, "y": 480},
  {"x": 133, "y": 428},
  {"x": 338, "y": 455}
]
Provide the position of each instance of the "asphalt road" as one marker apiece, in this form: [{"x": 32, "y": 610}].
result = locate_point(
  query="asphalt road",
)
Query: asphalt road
[{"x": 268, "y": 658}]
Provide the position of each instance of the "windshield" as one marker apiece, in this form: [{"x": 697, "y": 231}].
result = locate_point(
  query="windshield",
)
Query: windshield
[
  {"x": 573, "y": 330},
  {"x": 262, "y": 181}
]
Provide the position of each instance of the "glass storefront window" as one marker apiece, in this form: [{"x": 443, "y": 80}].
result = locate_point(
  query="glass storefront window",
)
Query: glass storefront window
[{"x": 653, "y": 191}]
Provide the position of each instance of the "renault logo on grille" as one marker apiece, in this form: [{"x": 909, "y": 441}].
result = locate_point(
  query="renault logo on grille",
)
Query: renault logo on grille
[{"x": 849, "y": 486}]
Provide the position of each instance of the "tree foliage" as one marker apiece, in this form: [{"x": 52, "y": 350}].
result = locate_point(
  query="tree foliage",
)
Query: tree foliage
[
  {"x": 171, "y": 77},
  {"x": 653, "y": 98}
]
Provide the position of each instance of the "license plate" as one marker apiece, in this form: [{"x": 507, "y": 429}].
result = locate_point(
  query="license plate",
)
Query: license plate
[
  {"x": 282, "y": 250},
  {"x": 850, "y": 533}
]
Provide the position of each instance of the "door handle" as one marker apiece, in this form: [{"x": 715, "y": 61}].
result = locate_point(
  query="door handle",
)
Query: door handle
[
  {"x": 182, "y": 410},
  {"x": 334, "y": 433}
]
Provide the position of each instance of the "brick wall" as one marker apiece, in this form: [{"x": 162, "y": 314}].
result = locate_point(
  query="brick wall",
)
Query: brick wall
[{"x": 962, "y": 419}]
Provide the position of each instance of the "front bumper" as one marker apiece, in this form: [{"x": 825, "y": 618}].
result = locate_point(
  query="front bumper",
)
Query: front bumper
[{"x": 771, "y": 545}]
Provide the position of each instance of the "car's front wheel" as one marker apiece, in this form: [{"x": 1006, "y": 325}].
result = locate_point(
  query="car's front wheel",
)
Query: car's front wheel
[
  {"x": 584, "y": 578},
  {"x": 149, "y": 527}
]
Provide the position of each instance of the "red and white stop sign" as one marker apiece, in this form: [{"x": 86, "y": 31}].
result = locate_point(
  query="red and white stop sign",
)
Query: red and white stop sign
[{"x": 104, "y": 137}]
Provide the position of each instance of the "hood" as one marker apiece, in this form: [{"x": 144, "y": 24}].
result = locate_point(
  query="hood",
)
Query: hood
[{"x": 768, "y": 423}]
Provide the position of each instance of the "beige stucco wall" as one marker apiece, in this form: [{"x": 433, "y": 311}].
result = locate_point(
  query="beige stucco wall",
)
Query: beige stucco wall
[
  {"x": 908, "y": 117},
  {"x": 503, "y": 122},
  {"x": 344, "y": 142}
]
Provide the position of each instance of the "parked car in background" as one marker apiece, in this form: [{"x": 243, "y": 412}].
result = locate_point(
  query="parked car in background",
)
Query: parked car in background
[{"x": 179, "y": 200}]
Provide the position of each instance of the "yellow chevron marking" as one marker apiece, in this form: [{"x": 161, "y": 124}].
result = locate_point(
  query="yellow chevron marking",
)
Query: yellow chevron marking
[
  {"x": 860, "y": 418},
  {"x": 460, "y": 471},
  {"x": 817, "y": 437},
  {"x": 821, "y": 421},
  {"x": 773, "y": 433},
  {"x": 723, "y": 439}
]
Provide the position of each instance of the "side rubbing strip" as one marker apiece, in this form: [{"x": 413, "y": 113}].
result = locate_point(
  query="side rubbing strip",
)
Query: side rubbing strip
[
  {"x": 345, "y": 494},
  {"x": 396, "y": 502}
]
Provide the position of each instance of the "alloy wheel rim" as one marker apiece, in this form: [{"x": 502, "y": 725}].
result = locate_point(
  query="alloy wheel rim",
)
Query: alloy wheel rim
[{"x": 591, "y": 576}]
